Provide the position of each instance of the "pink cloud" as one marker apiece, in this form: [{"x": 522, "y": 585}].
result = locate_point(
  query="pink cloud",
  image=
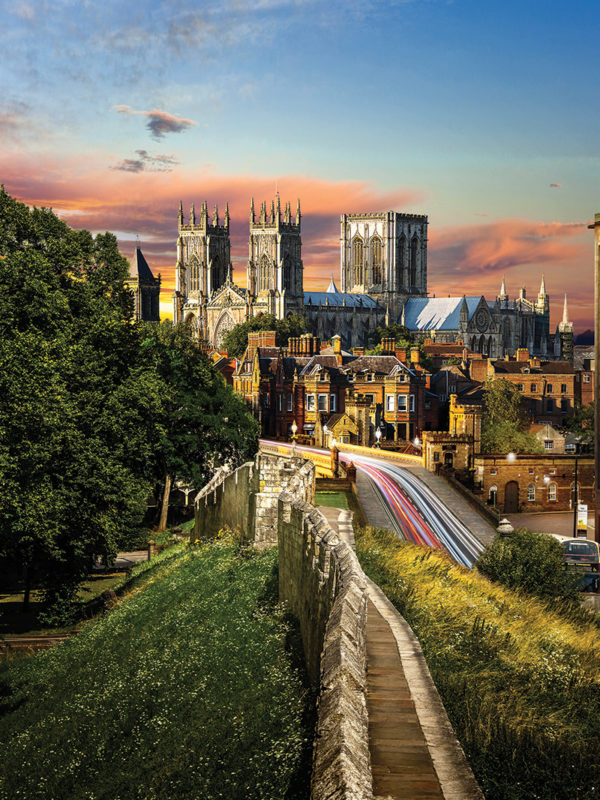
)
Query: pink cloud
[{"x": 159, "y": 122}]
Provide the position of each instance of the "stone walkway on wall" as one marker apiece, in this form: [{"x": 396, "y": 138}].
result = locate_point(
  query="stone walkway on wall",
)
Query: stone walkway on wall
[{"x": 414, "y": 752}]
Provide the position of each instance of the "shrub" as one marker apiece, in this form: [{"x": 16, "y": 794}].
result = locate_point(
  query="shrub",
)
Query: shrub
[
  {"x": 531, "y": 562},
  {"x": 519, "y": 682}
]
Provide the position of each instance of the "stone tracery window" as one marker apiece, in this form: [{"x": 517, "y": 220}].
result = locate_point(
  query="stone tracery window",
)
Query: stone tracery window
[
  {"x": 401, "y": 263},
  {"x": 263, "y": 273},
  {"x": 357, "y": 260},
  {"x": 376, "y": 255},
  {"x": 414, "y": 245}
]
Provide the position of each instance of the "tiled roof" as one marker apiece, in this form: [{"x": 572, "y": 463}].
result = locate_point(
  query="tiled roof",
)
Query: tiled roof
[
  {"x": 545, "y": 368},
  {"x": 437, "y": 313},
  {"x": 348, "y": 299}
]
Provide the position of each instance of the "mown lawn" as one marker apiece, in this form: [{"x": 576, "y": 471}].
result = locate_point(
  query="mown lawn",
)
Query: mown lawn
[
  {"x": 186, "y": 690},
  {"x": 521, "y": 683},
  {"x": 331, "y": 499}
]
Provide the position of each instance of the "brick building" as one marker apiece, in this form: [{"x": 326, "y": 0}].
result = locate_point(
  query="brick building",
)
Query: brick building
[
  {"x": 316, "y": 386},
  {"x": 533, "y": 482},
  {"x": 550, "y": 388}
]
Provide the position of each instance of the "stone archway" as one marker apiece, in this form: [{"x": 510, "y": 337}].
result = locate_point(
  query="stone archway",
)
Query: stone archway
[{"x": 225, "y": 323}]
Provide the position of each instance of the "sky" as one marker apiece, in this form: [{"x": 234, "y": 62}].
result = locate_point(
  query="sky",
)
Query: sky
[{"x": 482, "y": 115}]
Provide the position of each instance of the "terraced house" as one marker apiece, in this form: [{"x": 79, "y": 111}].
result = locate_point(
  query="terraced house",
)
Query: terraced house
[{"x": 330, "y": 393}]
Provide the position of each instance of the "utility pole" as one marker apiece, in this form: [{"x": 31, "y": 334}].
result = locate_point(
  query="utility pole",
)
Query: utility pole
[{"x": 595, "y": 226}]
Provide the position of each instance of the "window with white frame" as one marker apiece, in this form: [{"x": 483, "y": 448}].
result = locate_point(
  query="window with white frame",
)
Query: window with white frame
[
  {"x": 411, "y": 405},
  {"x": 552, "y": 492},
  {"x": 389, "y": 403},
  {"x": 548, "y": 444},
  {"x": 322, "y": 402},
  {"x": 402, "y": 402},
  {"x": 531, "y": 493},
  {"x": 332, "y": 403},
  {"x": 549, "y": 388},
  {"x": 310, "y": 402},
  {"x": 586, "y": 378},
  {"x": 563, "y": 388},
  {"x": 520, "y": 387},
  {"x": 533, "y": 389},
  {"x": 290, "y": 402}
]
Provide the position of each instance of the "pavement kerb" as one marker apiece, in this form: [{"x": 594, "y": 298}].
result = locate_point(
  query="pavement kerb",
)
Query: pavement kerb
[{"x": 454, "y": 773}]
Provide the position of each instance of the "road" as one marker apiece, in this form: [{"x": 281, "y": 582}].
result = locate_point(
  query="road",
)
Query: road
[{"x": 412, "y": 509}]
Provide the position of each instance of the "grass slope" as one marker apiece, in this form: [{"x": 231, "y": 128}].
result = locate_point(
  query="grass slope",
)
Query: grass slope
[
  {"x": 521, "y": 684},
  {"x": 185, "y": 690}
]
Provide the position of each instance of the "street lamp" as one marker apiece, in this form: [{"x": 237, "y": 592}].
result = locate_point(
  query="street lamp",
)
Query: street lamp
[
  {"x": 417, "y": 441},
  {"x": 511, "y": 458},
  {"x": 294, "y": 430},
  {"x": 377, "y": 437},
  {"x": 325, "y": 434}
]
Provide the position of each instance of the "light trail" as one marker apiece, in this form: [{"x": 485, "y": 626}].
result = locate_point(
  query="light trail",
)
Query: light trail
[{"x": 414, "y": 510}]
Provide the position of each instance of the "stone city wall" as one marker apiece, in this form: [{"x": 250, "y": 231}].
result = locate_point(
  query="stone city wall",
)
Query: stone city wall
[
  {"x": 245, "y": 501},
  {"x": 320, "y": 579},
  {"x": 325, "y": 588}
]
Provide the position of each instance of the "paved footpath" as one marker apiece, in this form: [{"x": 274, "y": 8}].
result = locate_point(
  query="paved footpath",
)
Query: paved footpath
[{"x": 414, "y": 752}]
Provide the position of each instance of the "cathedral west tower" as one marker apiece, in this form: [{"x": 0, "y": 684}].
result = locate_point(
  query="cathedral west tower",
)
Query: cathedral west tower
[
  {"x": 203, "y": 263},
  {"x": 275, "y": 271}
]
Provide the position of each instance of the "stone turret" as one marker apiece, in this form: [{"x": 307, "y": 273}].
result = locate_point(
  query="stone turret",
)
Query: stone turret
[{"x": 565, "y": 332}]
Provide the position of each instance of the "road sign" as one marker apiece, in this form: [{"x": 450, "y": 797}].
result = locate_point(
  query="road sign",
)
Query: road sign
[{"x": 582, "y": 519}]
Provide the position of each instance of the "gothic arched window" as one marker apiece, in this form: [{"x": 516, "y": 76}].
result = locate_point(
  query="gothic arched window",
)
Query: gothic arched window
[
  {"x": 263, "y": 273},
  {"x": 194, "y": 274},
  {"x": 357, "y": 260},
  {"x": 401, "y": 263},
  {"x": 414, "y": 246},
  {"x": 376, "y": 256},
  {"x": 287, "y": 273},
  {"x": 216, "y": 277}
]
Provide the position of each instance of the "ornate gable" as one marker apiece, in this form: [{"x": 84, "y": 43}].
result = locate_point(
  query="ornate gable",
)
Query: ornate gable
[{"x": 227, "y": 296}]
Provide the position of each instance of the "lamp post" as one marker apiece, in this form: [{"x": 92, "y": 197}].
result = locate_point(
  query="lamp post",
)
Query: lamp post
[
  {"x": 596, "y": 228},
  {"x": 326, "y": 435},
  {"x": 575, "y": 499},
  {"x": 377, "y": 437},
  {"x": 294, "y": 430}
]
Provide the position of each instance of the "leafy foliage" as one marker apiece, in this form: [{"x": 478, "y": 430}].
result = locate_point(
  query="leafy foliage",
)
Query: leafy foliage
[
  {"x": 531, "y": 562},
  {"x": 93, "y": 408},
  {"x": 404, "y": 341},
  {"x": 236, "y": 340},
  {"x": 186, "y": 689},
  {"x": 504, "y": 424},
  {"x": 518, "y": 680},
  {"x": 581, "y": 424}
]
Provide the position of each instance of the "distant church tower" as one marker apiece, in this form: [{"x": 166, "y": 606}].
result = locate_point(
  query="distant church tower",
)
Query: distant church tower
[
  {"x": 203, "y": 263},
  {"x": 385, "y": 256},
  {"x": 275, "y": 270},
  {"x": 565, "y": 332},
  {"x": 145, "y": 288}
]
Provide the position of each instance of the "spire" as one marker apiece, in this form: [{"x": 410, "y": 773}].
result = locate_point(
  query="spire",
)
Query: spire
[
  {"x": 287, "y": 214},
  {"x": 298, "y": 213},
  {"x": 215, "y": 219},
  {"x": 226, "y": 215},
  {"x": 263, "y": 212},
  {"x": 192, "y": 215},
  {"x": 565, "y": 318},
  {"x": 272, "y": 212},
  {"x": 543, "y": 286},
  {"x": 503, "y": 295},
  {"x": 278, "y": 207},
  {"x": 180, "y": 213},
  {"x": 332, "y": 288},
  {"x": 252, "y": 210}
]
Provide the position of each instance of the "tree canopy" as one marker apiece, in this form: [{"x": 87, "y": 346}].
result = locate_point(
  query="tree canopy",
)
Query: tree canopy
[
  {"x": 531, "y": 562},
  {"x": 505, "y": 422},
  {"x": 93, "y": 407},
  {"x": 236, "y": 340},
  {"x": 581, "y": 425}
]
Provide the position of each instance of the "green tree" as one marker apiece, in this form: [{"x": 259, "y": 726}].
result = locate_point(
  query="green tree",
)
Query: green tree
[
  {"x": 504, "y": 424},
  {"x": 236, "y": 340},
  {"x": 201, "y": 423},
  {"x": 531, "y": 562},
  {"x": 581, "y": 425},
  {"x": 71, "y": 484},
  {"x": 401, "y": 335}
]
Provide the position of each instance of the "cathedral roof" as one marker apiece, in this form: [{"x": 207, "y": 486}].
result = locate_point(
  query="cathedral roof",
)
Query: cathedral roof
[
  {"x": 335, "y": 298},
  {"x": 139, "y": 267},
  {"x": 332, "y": 288},
  {"x": 437, "y": 313}
]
